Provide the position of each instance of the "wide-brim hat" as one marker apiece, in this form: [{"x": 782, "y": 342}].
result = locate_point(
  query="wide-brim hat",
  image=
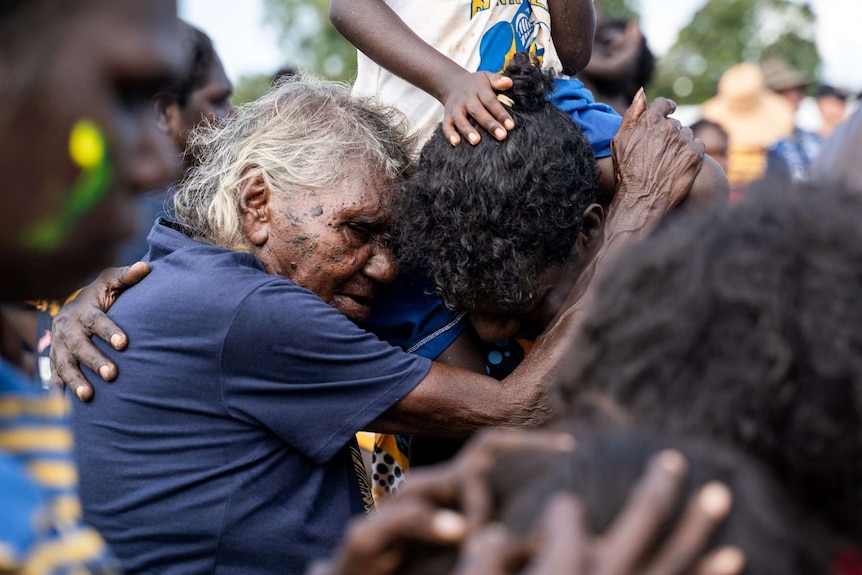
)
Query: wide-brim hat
[{"x": 752, "y": 115}]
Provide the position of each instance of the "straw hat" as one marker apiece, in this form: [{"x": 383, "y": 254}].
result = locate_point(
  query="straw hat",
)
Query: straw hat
[{"x": 752, "y": 115}]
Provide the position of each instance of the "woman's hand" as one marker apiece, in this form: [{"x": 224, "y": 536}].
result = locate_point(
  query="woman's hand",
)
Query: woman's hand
[{"x": 82, "y": 318}]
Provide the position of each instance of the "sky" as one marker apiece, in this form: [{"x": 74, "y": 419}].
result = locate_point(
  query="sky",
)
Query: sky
[{"x": 248, "y": 45}]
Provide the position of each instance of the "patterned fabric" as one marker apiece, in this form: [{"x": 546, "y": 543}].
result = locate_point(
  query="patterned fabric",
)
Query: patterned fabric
[
  {"x": 394, "y": 454},
  {"x": 789, "y": 159},
  {"x": 40, "y": 514}
]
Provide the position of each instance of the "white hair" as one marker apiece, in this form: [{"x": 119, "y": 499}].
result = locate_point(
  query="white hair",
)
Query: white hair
[{"x": 304, "y": 133}]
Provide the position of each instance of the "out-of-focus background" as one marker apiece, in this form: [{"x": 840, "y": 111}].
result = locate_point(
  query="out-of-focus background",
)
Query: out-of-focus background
[{"x": 694, "y": 40}]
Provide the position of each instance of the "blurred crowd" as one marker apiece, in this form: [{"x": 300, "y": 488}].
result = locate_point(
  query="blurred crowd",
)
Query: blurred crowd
[{"x": 490, "y": 309}]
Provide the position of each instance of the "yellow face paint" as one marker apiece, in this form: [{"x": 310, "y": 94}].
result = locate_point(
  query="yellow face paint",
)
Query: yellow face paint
[
  {"x": 86, "y": 145},
  {"x": 88, "y": 149}
]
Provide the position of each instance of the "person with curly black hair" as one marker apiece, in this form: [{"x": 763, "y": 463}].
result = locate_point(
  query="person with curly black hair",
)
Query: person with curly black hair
[
  {"x": 500, "y": 224},
  {"x": 743, "y": 325}
]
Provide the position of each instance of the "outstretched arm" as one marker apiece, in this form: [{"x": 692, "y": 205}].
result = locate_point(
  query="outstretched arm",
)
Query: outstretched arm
[{"x": 376, "y": 30}]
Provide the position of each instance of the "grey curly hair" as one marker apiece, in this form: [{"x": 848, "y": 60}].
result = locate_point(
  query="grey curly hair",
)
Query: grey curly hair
[{"x": 305, "y": 133}]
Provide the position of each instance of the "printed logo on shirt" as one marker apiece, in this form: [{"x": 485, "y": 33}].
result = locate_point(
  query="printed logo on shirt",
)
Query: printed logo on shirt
[
  {"x": 502, "y": 40},
  {"x": 481, "y": 5}
]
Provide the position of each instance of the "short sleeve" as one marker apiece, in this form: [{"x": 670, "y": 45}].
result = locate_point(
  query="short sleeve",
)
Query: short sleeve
[{"x": 302, "y": 369}]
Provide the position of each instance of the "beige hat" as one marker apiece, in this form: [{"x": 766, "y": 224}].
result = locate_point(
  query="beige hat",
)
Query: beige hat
[{"x": 752, "y": 115}]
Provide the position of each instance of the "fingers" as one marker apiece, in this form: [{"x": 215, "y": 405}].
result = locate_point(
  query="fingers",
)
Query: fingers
[
  {"x": 703, "y": 514},
  {"x": 724, "y": 561},
  {"x": 130, "y": 275},
  {"x": 490, "y": 551},
  {"x": 480, "y": 454},
  {"x": 498, "y": 110},
  {"x": 447, "y": 126},
  {"x": 635, "y": 111},
  {"x": 476, "y": 97},
  {"x": 462, "y": 482},
  {"x": 649, "y": 505},
  {"x": 564, "y": 538},
  {"x": 662, "y": 107},
  {"x": 378, "y": 546}
]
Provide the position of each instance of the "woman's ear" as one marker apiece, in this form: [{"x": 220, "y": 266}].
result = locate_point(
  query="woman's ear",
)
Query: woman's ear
[
  {"x": 254, "y": 207},
  {"x": 160, "y": 111},
  {"x": 592, "y": 234}
]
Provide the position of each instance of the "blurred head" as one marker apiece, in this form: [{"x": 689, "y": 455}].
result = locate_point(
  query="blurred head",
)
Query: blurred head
[
  {"x": 78, "y": 135},
  {"x": 611, "y": 39},
  {"x": 775, "y": 537},
  {"x": 838, "y": 161},
  {"x": 715, "y": 140},
  {"x": 504, "y": 227},
  {"x": 743, "y": 325},
  {"x": 301, "y": 179},
  {"x": 785, "y": 80},
  {"x": 832, "y": 103},
  {"x": 202, "y": 95}
]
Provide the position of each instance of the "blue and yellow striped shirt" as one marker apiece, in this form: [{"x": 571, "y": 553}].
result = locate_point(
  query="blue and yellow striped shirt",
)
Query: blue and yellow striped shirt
[{"x": 40, "y": 514}]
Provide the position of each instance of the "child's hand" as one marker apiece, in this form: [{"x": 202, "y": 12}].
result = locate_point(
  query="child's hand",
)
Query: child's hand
[{"x": 474, "y": 94}]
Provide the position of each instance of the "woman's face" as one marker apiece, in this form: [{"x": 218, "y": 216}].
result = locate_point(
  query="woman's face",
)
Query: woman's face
[{"x": 333, "y": 242}]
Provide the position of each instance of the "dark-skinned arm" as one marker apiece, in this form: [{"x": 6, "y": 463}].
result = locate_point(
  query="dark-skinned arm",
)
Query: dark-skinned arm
[
  {"x": 376, "y": 30},
  {"x": 655, "y": 162},
  {"x": 573, "y": 29}
]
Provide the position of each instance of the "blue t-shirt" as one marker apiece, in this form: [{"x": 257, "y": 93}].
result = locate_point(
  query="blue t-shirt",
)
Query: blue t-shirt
[{"x": 226, "y": 444}]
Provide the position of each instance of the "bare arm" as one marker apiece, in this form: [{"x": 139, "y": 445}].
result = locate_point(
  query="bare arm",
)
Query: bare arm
[
  {"x": 655, "y": 161},
  {"x": 376, "y": 30},
  {"x": 573, "y": 28}
]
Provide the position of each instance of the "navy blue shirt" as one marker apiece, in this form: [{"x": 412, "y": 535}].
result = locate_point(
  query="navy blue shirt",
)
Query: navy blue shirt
[{"x": 226, "y": 444}]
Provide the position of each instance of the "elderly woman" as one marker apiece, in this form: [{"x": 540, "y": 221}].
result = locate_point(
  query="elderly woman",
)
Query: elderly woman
[{"x": 227, "y": 442}]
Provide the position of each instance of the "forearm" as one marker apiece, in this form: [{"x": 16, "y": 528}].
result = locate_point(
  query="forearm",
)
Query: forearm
[
  {"x": 452, "y": 402},
  {"x": 573, "y": 28},
  {"x": 376, "y": 30}
]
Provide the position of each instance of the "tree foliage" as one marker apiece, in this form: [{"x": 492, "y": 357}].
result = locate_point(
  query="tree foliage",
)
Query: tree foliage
[
  {"x": 726, "y": 32},
  {"x": 620, "y": 9},
  {"x": 308, "y": 39}
]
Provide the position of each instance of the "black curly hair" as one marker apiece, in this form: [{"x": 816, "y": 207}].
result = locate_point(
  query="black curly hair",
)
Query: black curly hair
[
  {"x": 485, "y": 220},
  {"x": 745, "y": 325}
]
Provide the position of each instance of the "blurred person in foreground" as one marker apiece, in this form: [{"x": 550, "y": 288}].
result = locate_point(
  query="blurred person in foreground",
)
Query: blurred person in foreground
[
  {"x": 201, "y": 94},
  {"x": 743, "y": 325},
  {"x": 78, "y": 141},
  {"x": 612, "y": 502}
]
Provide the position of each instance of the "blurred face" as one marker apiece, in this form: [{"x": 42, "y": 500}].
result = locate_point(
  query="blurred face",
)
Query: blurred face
[
  {"x": 210, "y": 102},
  {"x": 81, "y": 141},
  {"x": 832, "y": 110},
  {"x": 794, "y": 96},
  {"x": 333, "y": 243},
  {"x": 494, "y": 323},
  {"x": 715, "y": 144}
]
